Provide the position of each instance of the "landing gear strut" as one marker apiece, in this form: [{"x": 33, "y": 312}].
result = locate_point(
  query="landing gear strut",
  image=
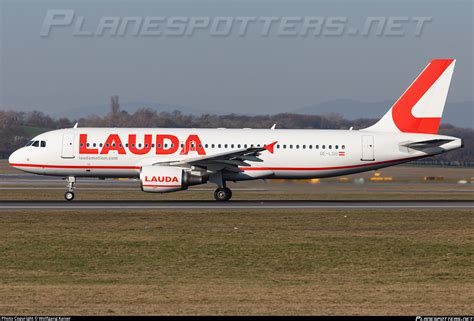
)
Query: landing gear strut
[
  {"x": 222, "y": 194},
  {"x": 71, "y": 181}
]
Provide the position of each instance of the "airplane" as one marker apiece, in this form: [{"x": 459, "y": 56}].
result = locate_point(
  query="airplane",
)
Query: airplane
[{"x": 169, "y": 160}]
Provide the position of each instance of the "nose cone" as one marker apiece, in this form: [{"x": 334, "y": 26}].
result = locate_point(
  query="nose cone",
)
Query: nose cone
[{"x": 14, "y": 158}]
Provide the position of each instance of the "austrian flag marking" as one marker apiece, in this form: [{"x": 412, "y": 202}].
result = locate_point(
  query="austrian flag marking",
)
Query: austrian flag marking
[{"x": 342, "y": 153}]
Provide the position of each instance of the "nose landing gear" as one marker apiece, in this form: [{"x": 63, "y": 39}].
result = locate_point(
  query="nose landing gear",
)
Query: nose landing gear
[
  {"x": 71, "y": 181},
  {"x": 69, "y": 196}
]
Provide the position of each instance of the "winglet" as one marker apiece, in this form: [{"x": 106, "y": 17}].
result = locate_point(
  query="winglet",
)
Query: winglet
[
  {"x": 75, "y": 126},
  {"x": 270, "y": 147},
  {"x": 273, "y": 127}
]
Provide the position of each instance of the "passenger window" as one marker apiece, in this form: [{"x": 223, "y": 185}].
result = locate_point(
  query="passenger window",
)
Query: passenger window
[
  {"x": 212, "y": 145},
  {"x": 291, "y": 146},
  {"x": 336, "y": 147},
  {"x": 330, "y": 146},
  {"x": 284, "y": 146},
  {"x": 94, "y": 145},
  {"x": 297, "y": 146},
  {"x": 278, "y": 146},
  {"x": 343, "y": 146},
  {"x": 245, "y": 146},
  {"x": 310, "y": 146},
  {"x": 304, "y": 146},
  {"x": 225, "y": 146},
  {"x": 126, "y": 145},
  {"x": 219, "y": 146},
  {"x": 43, "y": 143},
  {"x": 101, "y": 145},
  {"x": 232, "y": 146},
  {"x": 238, "y": 146}
]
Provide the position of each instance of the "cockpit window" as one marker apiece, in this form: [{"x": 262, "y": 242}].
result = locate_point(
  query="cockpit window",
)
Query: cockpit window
[{"x": 36, "y": 143}]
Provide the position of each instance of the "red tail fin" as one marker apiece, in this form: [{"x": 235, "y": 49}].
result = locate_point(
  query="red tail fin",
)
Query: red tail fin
[{"x": 420, "y": 108}]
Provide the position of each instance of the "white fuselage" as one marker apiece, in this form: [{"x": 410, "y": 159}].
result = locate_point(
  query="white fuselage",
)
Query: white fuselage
[{"x": 296, "y": 154}]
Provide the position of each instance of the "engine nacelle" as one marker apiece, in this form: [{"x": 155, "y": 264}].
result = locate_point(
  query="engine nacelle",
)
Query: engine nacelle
[{"x": 165, "y": 179}]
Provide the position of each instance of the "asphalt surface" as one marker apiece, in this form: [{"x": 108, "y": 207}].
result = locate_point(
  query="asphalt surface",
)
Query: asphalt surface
[{"x": 293, "y": 204}]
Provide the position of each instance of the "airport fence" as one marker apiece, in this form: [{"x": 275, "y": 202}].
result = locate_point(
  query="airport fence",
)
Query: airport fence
[{"x": 439, "y": 163}]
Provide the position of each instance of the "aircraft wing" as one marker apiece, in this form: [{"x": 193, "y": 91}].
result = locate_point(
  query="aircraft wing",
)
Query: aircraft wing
[{"x": 228, "y": 160}]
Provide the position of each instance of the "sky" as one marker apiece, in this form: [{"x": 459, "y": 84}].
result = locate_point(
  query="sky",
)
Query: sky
[{"x": 249, "y": 73}]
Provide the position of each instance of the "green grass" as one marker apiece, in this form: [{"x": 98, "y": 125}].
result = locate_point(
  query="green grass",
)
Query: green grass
[{"x": 259, "y": 262}]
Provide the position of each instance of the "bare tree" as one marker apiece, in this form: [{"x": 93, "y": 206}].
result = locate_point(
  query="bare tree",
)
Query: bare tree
[{"x": 114, "y": 104}]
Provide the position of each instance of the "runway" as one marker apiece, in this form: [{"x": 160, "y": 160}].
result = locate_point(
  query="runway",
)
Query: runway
[{"x": 243, "y": 205}]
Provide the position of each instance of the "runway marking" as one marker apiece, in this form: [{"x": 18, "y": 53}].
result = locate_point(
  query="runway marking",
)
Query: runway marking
[
  {"x": 189, "y": 205},
  {"x": 223, "y": 207}
]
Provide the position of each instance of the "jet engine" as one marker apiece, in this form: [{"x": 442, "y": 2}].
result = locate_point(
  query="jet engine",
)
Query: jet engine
[{"x": 165, "y": 179}]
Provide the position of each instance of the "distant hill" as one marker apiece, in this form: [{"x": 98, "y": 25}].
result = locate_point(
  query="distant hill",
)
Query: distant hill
[
  {"x": 459, "y": 114},
  {"x": 130, "y": 107}
]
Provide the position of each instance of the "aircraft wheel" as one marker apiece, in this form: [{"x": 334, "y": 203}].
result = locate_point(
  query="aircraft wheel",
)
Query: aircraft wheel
[
  {"x": 69, "y": 196},
  {"x": 222, "y": 194}
]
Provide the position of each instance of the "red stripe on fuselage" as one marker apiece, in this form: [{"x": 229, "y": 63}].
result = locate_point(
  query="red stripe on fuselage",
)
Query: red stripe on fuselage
[
  {"x": 75, "y": 166},
  {"x": 327, "y": 168},
  {"x": 242, "y": 168}
]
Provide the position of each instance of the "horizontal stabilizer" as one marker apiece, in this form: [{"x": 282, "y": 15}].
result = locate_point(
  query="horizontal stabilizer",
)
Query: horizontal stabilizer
[{"x": 428, "y": 143}]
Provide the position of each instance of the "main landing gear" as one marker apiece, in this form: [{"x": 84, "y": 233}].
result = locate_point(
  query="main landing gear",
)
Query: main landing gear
[
  {"x": 71, "y": 181},
  {"x": 222, "y": 194}
]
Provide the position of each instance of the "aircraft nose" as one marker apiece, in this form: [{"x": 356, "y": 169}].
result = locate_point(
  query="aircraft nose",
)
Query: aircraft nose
[{"x": 13, "y": 159}]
